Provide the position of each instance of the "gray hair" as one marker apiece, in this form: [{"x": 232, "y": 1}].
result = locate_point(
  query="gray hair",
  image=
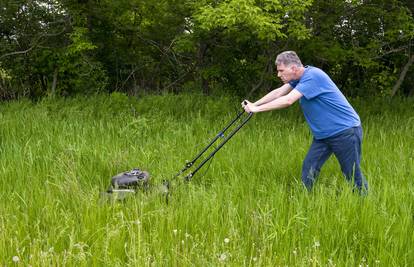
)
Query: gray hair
[{"x": 288, "y": 58}]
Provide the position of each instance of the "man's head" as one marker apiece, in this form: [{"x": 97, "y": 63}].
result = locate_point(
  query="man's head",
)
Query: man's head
[{"x": 289, "y": 66}]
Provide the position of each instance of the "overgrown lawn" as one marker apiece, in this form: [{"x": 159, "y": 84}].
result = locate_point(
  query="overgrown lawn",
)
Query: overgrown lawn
[{"x": 246, "y": 208}]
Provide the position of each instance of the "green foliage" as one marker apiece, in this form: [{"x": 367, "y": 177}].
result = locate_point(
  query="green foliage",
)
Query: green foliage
[
  {"x": 81, "y": 73},
  {"x": 265, "y": 19},
  {"x": 79, "y": 42},
  {"x": 4, "y": 75},
  {"x": 369, "y": 40},
  {"x": 237, "y": 39},
  {"x": 58, "y": 56},
  {"x": 68, "y": 47}
]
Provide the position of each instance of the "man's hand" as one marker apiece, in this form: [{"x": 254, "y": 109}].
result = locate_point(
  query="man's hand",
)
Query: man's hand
[{"x": 248, "y": 106}]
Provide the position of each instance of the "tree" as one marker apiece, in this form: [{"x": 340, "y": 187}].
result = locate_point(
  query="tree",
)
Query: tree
[
  {"x": 242, "y": 36},
  {"x": 50, "y": 47},
  {"x": 361, "y": 43},
  {"x": 38, "y": 45},
  {"x": 134, "y": 39}
]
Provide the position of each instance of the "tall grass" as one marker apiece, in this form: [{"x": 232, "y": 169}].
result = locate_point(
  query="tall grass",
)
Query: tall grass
[{"x": 246, "y": 208}]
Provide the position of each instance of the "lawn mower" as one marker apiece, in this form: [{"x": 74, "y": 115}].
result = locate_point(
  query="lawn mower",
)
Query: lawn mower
[{"x": 130, "y": 182}]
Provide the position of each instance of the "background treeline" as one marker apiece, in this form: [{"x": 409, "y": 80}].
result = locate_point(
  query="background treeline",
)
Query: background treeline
[{"x": 69, "y": 47}]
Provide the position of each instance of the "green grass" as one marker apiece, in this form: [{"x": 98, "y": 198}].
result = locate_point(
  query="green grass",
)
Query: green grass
[{"x": 247, "y": 208}]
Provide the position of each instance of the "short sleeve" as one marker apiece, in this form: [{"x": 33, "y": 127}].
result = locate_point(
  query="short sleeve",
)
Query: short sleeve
[{"x": 308, "y": 87}]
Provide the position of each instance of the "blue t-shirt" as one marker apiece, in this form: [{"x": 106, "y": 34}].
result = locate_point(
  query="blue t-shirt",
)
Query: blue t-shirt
[{"x": 325, "y": 108}]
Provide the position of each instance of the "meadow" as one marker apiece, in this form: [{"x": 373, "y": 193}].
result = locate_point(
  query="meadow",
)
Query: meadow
[{"x": 245, "y": 208}]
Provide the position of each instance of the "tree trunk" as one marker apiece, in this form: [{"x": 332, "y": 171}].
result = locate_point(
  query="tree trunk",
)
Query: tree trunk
[
  {"x": 402, "y": 75},
  {"x": 266, "y": 71},
  {"x": 411, "y": 92},
  {"x": 55, "y": 77},
  {"x": 205, "y": 84}
]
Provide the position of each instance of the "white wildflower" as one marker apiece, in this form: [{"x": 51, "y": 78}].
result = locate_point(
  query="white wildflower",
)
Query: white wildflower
[
  {"x": 226, "y": 240},
  {"x": 223, "y": 257},
  {"x": 16, "y": 259}
]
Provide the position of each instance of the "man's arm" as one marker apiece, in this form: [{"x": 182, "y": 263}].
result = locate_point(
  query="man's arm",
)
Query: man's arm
[
  {"x": 281, "y": 91},
  {"x": 278, "y": 103}
]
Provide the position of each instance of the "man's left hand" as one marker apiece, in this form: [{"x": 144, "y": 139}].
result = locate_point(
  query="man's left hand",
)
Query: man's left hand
[{"x": 249, "y": 107}]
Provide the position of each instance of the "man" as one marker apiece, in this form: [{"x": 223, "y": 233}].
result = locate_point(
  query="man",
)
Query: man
[{"x": 335, "y": 125}]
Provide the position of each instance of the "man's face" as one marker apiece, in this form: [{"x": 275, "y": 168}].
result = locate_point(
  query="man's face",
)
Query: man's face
[{"x": 286, "y": 73}]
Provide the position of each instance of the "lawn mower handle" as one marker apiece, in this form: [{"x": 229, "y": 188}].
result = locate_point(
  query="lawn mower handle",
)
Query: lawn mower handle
[
  {"x": 189, "y": 164},
  {"x": 226, "y": 139}
]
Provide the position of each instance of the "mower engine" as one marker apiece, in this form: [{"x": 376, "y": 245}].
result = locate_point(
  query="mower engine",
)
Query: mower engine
[{"x": 129, "y": 181}]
